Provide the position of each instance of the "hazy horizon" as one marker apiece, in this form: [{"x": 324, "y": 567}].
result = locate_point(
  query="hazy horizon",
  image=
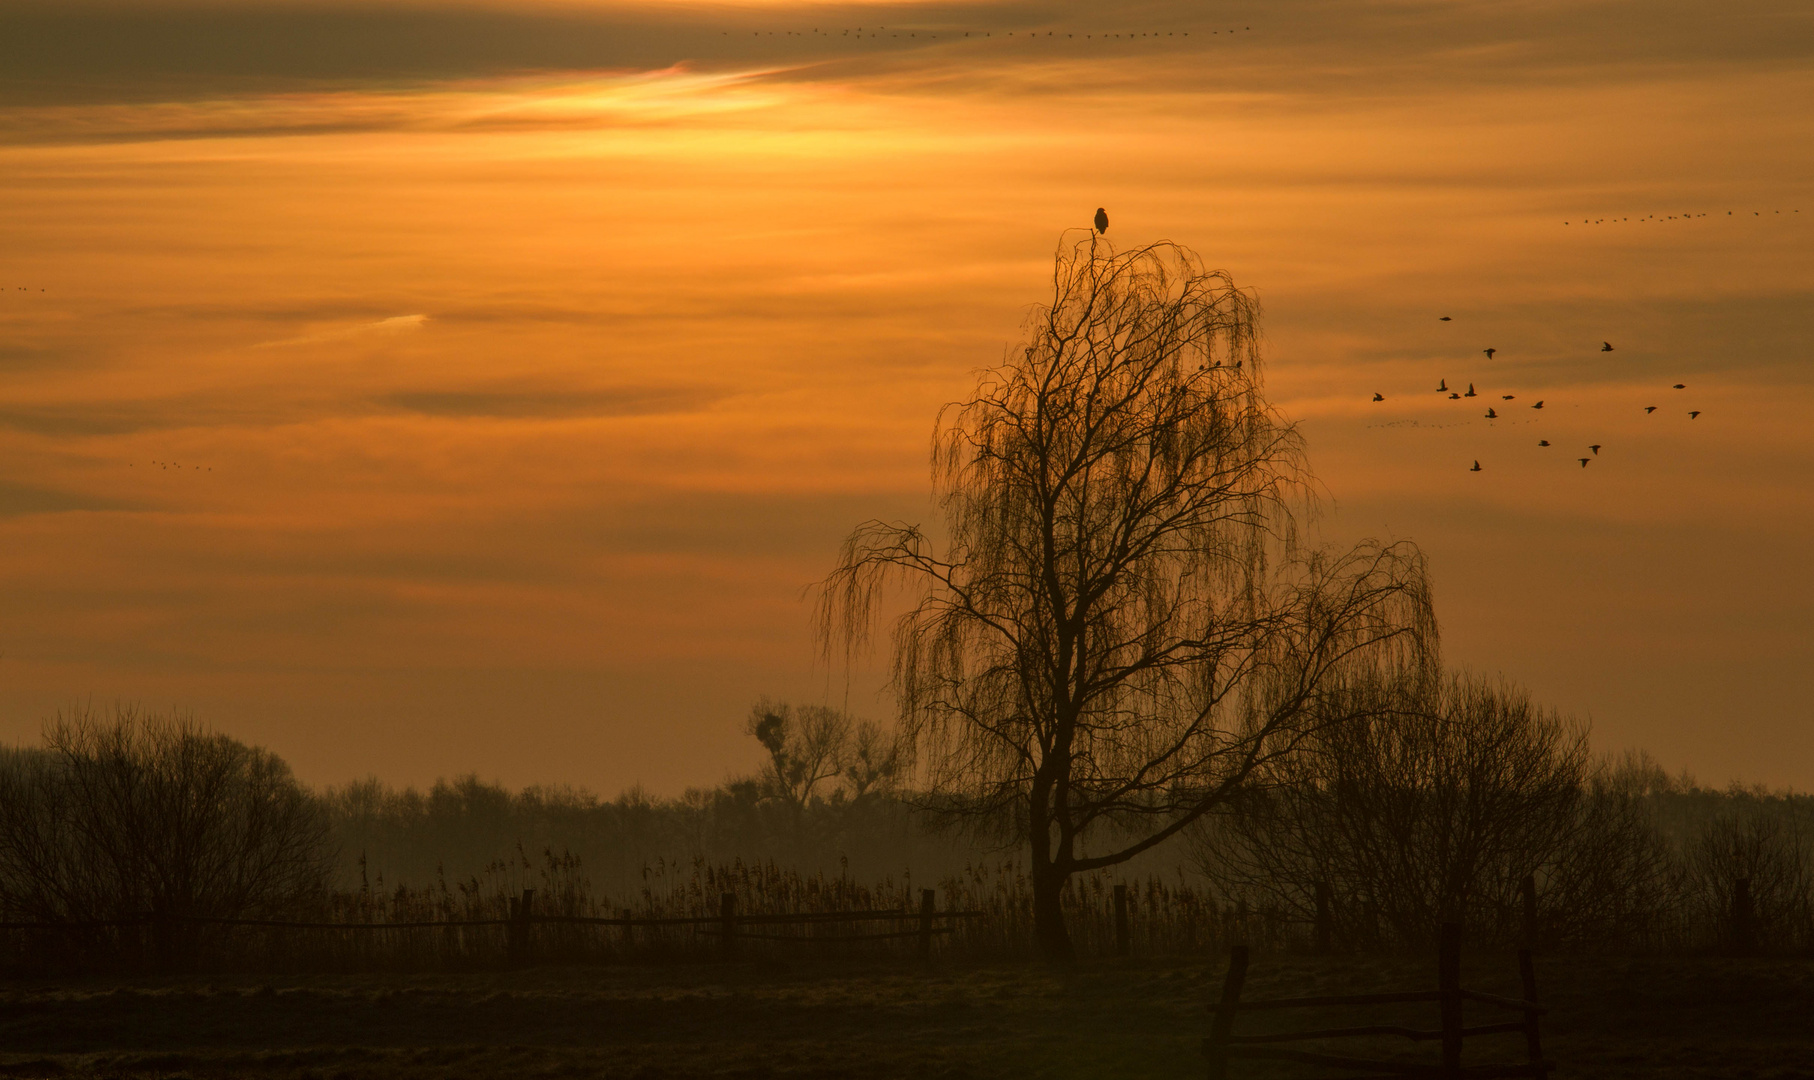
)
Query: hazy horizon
[{"x": 420, "y": 390}]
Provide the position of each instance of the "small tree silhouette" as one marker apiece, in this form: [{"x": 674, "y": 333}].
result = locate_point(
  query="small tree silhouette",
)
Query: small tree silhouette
[
  {"x": 146, "y": 816},
  {"x": 806, "y": 746},
  {"x": 1119, "y": 624}
]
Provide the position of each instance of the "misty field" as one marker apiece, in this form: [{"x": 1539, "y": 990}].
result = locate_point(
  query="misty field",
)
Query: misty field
[{"x": 1612, "y": 1016}]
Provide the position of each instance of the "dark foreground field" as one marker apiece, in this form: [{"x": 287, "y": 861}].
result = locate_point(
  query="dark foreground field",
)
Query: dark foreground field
[{"x": 1612, "y": 1017}]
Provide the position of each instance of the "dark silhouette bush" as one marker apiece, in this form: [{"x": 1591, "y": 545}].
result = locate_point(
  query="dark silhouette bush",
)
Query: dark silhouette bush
[{"x": 151, "y": 821}]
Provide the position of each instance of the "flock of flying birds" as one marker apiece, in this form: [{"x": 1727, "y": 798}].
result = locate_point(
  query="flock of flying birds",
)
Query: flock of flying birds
[{"x": 1492, "y": 412}]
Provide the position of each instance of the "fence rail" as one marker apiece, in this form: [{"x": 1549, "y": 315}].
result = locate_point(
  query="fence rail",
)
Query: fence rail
[
  {"x": 725, "y": 931},
  {"x": 1223, "y": 1046},
  {"x": 801, "y": 919}
]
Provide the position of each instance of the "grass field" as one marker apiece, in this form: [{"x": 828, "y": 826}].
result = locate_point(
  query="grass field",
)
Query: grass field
[{"x": 1612, "y": 1017}]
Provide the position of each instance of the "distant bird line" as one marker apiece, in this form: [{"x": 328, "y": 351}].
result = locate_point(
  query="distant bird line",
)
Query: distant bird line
[
  {"x": 1648, "y": 219},
  {"x": 959, "y": 35}
]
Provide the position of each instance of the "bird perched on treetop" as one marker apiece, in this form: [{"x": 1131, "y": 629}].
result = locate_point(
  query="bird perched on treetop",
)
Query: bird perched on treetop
[{"x": 1102, "y": 220}]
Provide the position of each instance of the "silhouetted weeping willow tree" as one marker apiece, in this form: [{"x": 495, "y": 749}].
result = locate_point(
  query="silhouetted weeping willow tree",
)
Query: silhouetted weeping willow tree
[{"x": 1119, "y": 623}]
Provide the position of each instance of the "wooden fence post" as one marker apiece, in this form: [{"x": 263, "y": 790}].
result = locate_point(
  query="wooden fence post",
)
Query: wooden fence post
[
  {"x": 1121, "y": 942},
  {"x": 727, "y": 925},
  {"x": 1325, "y": 928},
  {"x": 1527, "y": 893},
  {"x": 928, "y": 905},
  {"x": 1448, "y": 978},
  {"x": 1744, "y": 917},
  {"x": 163, "y": 943},
  {"x": 1533, "y": 1043},
  {"x": 517, "y": 939},
  {"x": 1216, "y": 1046}
]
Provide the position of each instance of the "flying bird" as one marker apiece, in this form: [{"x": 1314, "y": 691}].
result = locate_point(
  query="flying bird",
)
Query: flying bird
[
  {"x": 1584, "y": 463},
  {"x": 1489, "y": 352},
  {"x": 1539, "y": 405},
  {"x": 1445, "y": 318},
  {"x": 1596, "y": 449},
  {"x": 1506, "y": 397},
  {"x": 1692, "y": 413},
  {"x": 1102, "y": 220},
  {"x": 1442, "y": 386},
  {"x": 1470, "y": 392},
  {"x": 1490, "y": 414},
  {"x": 1476, "y": 467},
  {"x": 1542, "y": 442},
  {"x": 1681, "y": 386},
  {"x": 1648, "y": 409},
  {"x": 1605, "y": 346},
  {"x": 1379, "y": 397},
  {"x": 1454, "y": 397}
]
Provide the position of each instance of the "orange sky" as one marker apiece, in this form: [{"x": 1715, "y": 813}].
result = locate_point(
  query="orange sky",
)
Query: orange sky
[{"x": 520, "y": 368}]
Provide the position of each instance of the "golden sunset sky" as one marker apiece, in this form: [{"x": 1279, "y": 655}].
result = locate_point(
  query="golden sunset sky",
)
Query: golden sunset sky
[{"x": 417, "y": 389}]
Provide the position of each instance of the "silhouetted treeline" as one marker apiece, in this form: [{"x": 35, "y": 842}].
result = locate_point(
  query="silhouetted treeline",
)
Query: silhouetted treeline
[
  {"x": 823, "y": 801},
  {"x": 462, "y": 828},
  {"x": 134, "y": 836}
]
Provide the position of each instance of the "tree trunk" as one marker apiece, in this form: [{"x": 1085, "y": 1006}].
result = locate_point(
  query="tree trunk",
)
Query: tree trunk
[{"x": 1049, "y": 933}]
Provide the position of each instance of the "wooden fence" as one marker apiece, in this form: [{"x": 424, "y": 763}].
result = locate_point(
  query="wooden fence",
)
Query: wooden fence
[
  {"x": 727, "y": 931},
  {"x": 1223, "y": 1046}
]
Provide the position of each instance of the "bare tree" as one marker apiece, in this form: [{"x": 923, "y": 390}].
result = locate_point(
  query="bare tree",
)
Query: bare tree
[
  {"x": 1757, "y": 842},
  {"x": 141, "y": 816},
  {"x": 806, "y": 746},
  {"x": 873, "y": 760},
  {"x": 1119, "y": 624},
  {"x": 1438, "y": 812},
  {"x": 1613, "y": 877}
]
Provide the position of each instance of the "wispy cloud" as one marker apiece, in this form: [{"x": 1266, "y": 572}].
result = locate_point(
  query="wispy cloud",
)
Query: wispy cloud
[
  {"x": 396, "y": 324},
  {"x": 18, "y": 500},
  {"x": 549, "y": 404}
]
